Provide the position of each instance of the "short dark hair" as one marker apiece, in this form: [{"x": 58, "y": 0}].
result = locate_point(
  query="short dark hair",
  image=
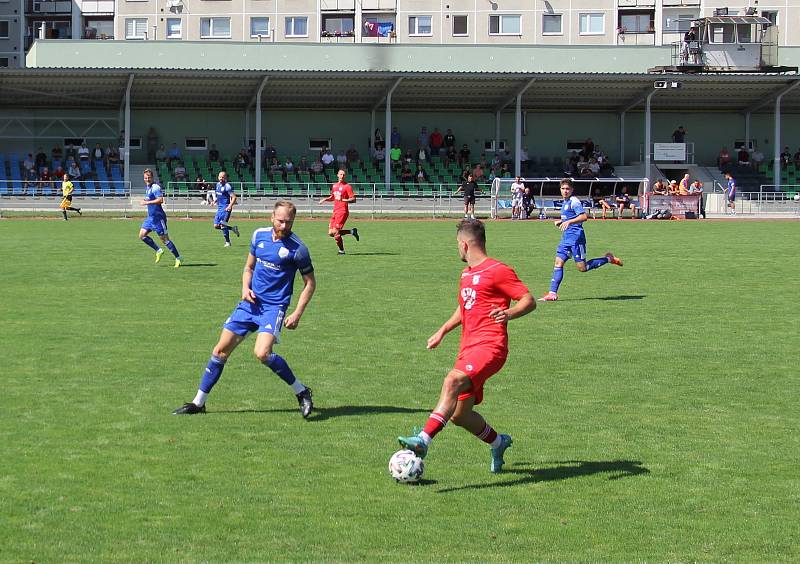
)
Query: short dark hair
[{"x": 473, "y": 230}]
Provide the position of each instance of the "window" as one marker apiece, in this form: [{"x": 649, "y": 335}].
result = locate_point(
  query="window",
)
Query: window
[
  {"x": 174, "y": 28},
  {"x": 636, "y": 22},
  {"x": 460, "y": 26},
  {"x": 771, "y": 15},
  {"x": 215, "y": 28},
  {"x": 196, "y": 144},
  {"x": 420, "y": 25},
  {"x": 3, "y": 62},
  {"x": 505, "y": 25},
  {"x": 680, "y": 23},
  {"x": 3, "y": 29},
  {"x": 722, "y": 33},
  {"x": 296, "y": 26},
  {"x": 136, "y": 28},
  {"x": 591, "y": 24},
  {"x": 337, "y": 25},
  {"x": 317, "y": 143},
  {"x": 551, "y": 24},
  {"x": 259, "y": 27}
]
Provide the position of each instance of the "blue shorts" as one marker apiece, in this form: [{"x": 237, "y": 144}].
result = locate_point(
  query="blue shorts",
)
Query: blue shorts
[
  {"x": 574, "y": 247},
  {"x": 256, "y": 318},
  {"x": 732, "y": 196},
  {"x": 222, "y": 217},
  {"x": 157, "y": 224}
]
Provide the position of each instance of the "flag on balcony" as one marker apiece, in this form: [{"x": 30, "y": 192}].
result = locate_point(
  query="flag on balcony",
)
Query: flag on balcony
[{"x": 378, "y": 29}]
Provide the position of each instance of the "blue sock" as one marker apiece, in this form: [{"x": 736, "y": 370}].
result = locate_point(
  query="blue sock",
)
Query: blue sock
[
  {"x": 227, "y": 234},
  {"x": 276, "y": 363},
  {"x": 558, "y": 276},
  {"x": 212, "y": 373},
  {"x": 150, "y": 243},
  {"x": 171, "y": 246},
  {"x": 596, "y": 263}
]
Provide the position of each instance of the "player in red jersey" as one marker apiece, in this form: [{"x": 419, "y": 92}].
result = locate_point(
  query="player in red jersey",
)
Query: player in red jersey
[
  {"x": 342, "y": 196},
  {"x": 487, "y": 289}
]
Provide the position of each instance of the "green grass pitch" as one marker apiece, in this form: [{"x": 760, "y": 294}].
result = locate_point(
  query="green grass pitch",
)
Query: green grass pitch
[{"x": 654, "y": 408}]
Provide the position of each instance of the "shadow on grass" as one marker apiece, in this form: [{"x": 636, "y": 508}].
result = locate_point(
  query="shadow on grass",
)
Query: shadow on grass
[
  {"x": 566, "y": 469},
  {"x": 323, "y": 413},
  {"x": 372, "y": 254},
  {"x": 199, "y": 265},
  {"x": 608, "y": 298}
]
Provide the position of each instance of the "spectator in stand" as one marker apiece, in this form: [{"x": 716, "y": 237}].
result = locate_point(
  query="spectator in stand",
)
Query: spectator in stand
[
  {"x": 29, "y": 163},
  {"x": 395, "y": 155},
  {"x": 270, "y": 153},
  {"x": 743, "y": 157},
  {"x": 174, "y": 154},
  {"x": 406, "y": 174},
  {"x": 786, "y": 157},
  {"x": 464, "y": 156},
  {"x": 341, "y": 159},
  {"x": 379, "y": 154},
  {"x": 240, "y": 161},
  {"x": 696, "y": 187},
  {"x": 395, "y": 137},
  {"x": 161, "y": 154},
  {"x": 98, "y": 155},
  {"x": 679, "y": 135},
  {"x": 683, "y": 185},
  {"x": 506, "y": 156},
  {"x": 449, "y": 140},
  {"x": 408, "y": 158},
  {"x": 112, "y": 158},
  {"x": 74, "y": 170},
  {"x": 723, "y": 159},
  {"x": 478, "y": 174},
  {"x": 288, "y": 168},
  {"x": 213, "y": 154},
  {"x": 31, "y": 176},
  {"x": 422, "y": 156},
  {"x": 58, "y": 172},
  {"x": 605, "y": 203},
  {"x": 436, "y": 141},
  {"x": 497, "y": 160},
  {"x": 421, "y": 176},
  {"x": 377, "y": 140},
  {"x": 302, "y": 166},
  {"x": 180, "y": 172},
  {"x": 588, "y": 148},
  {"x": 275, "y": 167},
  {"x": 45, "y": 177},
  {"x": 41, "y": 159},
  {"x": 450, "y": 156},
  {"x": 327, "y": 157},
  {"x": 201, "y": 189},
  {"x": 71, "y": 152},
  {"x": 317, "y": 166},
  {"x": 352, "y": 155},
  {"x": 659, "y": 188},
  {"x": 673, "y": 189},
  {"x": 57, "y": 153},
  {"x": 624, "y": 202},
  {"x": 758, "y": 157},
  {"x": 424, "y": 141}
]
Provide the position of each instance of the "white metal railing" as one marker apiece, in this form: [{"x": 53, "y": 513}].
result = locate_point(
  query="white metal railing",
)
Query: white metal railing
[{"x": 90, "y": 188}]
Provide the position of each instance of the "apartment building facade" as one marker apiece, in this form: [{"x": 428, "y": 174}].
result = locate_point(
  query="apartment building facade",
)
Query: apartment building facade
[{"x": 508, "y": 22}]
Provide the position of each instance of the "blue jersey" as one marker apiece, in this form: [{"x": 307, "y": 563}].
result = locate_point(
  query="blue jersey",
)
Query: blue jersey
[
  {"x": 276, "y": 265},
  {"x": 571, "y": 209},
  {"x": 154, "y": 211},
  {"x": 731, "y": 186},
  {"x": 223, "y": 193}
]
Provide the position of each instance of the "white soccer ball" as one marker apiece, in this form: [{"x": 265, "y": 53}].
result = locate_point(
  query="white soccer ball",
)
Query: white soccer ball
[
  {"x": 797, "y": 197},
  {"x": 405, "y": 466}
]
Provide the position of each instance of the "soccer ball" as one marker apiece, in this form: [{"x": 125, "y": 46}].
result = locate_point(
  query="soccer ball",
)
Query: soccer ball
[
  {"x": 797, "y": 197},
  {"x": 405, "y": 466}
]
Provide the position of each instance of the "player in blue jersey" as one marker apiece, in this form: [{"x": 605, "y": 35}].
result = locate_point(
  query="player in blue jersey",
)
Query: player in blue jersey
[
  {"x": 226, "y": 199},
  {"x": 573, "y": 241},
  {"x": 156, "y": 220},
  {"x": 730, "y": 193},
  {"x": 276, "y": 255}
]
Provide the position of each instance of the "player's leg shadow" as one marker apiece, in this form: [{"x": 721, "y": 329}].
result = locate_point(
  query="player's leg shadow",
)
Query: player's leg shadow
[
  {"x": 608, "y": 298},
  {"x": 525, "y": 474},
  {"x": 199, "y": 264},
  {"x": 357, "y": 254},
  {"x": 323, "y": 413}
]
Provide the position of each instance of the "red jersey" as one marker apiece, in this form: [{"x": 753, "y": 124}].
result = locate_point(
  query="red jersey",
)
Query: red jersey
[
  {"x": 341, "y": 191},
  {"x": 484, "y": 287}
]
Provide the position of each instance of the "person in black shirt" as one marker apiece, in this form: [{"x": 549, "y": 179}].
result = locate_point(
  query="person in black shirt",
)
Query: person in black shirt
[{"x": 469, "y": 188}]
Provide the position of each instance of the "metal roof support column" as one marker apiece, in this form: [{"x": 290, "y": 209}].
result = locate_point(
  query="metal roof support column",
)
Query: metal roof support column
[
  {"x": 497, "y": 132},
  {"x": 622, "y": 139},
  {"x": 647, "y": 133},
  {"x": 246, "y": 127},
  {"x": 387, "y": 172},
  {"x": 372, "y": 133},
  {"x": 126, "y": 157},
  {"x": 517, "y": 136},
  {"x": 257, "y": 157},
  {"x": 776, "y": 169},
  {"x": 747, "y": 131}
]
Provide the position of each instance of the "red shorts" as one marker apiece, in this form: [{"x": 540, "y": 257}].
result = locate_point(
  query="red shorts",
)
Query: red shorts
[
  {"x": 337, "y": 220},
  {"x": 480, "y": 365}
]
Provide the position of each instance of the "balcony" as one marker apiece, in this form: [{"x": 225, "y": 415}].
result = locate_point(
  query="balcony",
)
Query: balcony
[
  {"x": 48, "y": 7},
  {"x": 98, "y": 7}
]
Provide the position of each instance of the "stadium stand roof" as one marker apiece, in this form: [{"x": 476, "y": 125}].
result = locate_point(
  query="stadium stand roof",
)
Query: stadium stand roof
[{"x": 217, "y": 75}]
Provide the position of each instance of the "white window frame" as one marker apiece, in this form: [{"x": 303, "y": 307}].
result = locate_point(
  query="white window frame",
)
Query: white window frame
[
  {"x": 453, "y": 25},
  {"x": 292, "y": 19},
  {"x": 414, "y": 32},
  {"x": 199, "y": 144},
  {"x": 135, "y": 37},
  {"x": 560, "y": 26},
  {"x": 211, "y": 34},
  {"x": 257, "y": 35},
  {"x": 588, "y": 16},
  {"x": 180, "y": 28},
  {"x": 501, "y": 18}
]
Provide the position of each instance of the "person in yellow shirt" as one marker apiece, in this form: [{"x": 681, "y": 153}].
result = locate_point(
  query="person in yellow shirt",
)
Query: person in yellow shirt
[{"x": 66, "y": 203}]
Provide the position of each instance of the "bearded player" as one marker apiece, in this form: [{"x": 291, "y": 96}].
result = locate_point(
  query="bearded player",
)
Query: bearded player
[
  {"x": 342, "y": 196},
  {"x": 487, "y": 289}
]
